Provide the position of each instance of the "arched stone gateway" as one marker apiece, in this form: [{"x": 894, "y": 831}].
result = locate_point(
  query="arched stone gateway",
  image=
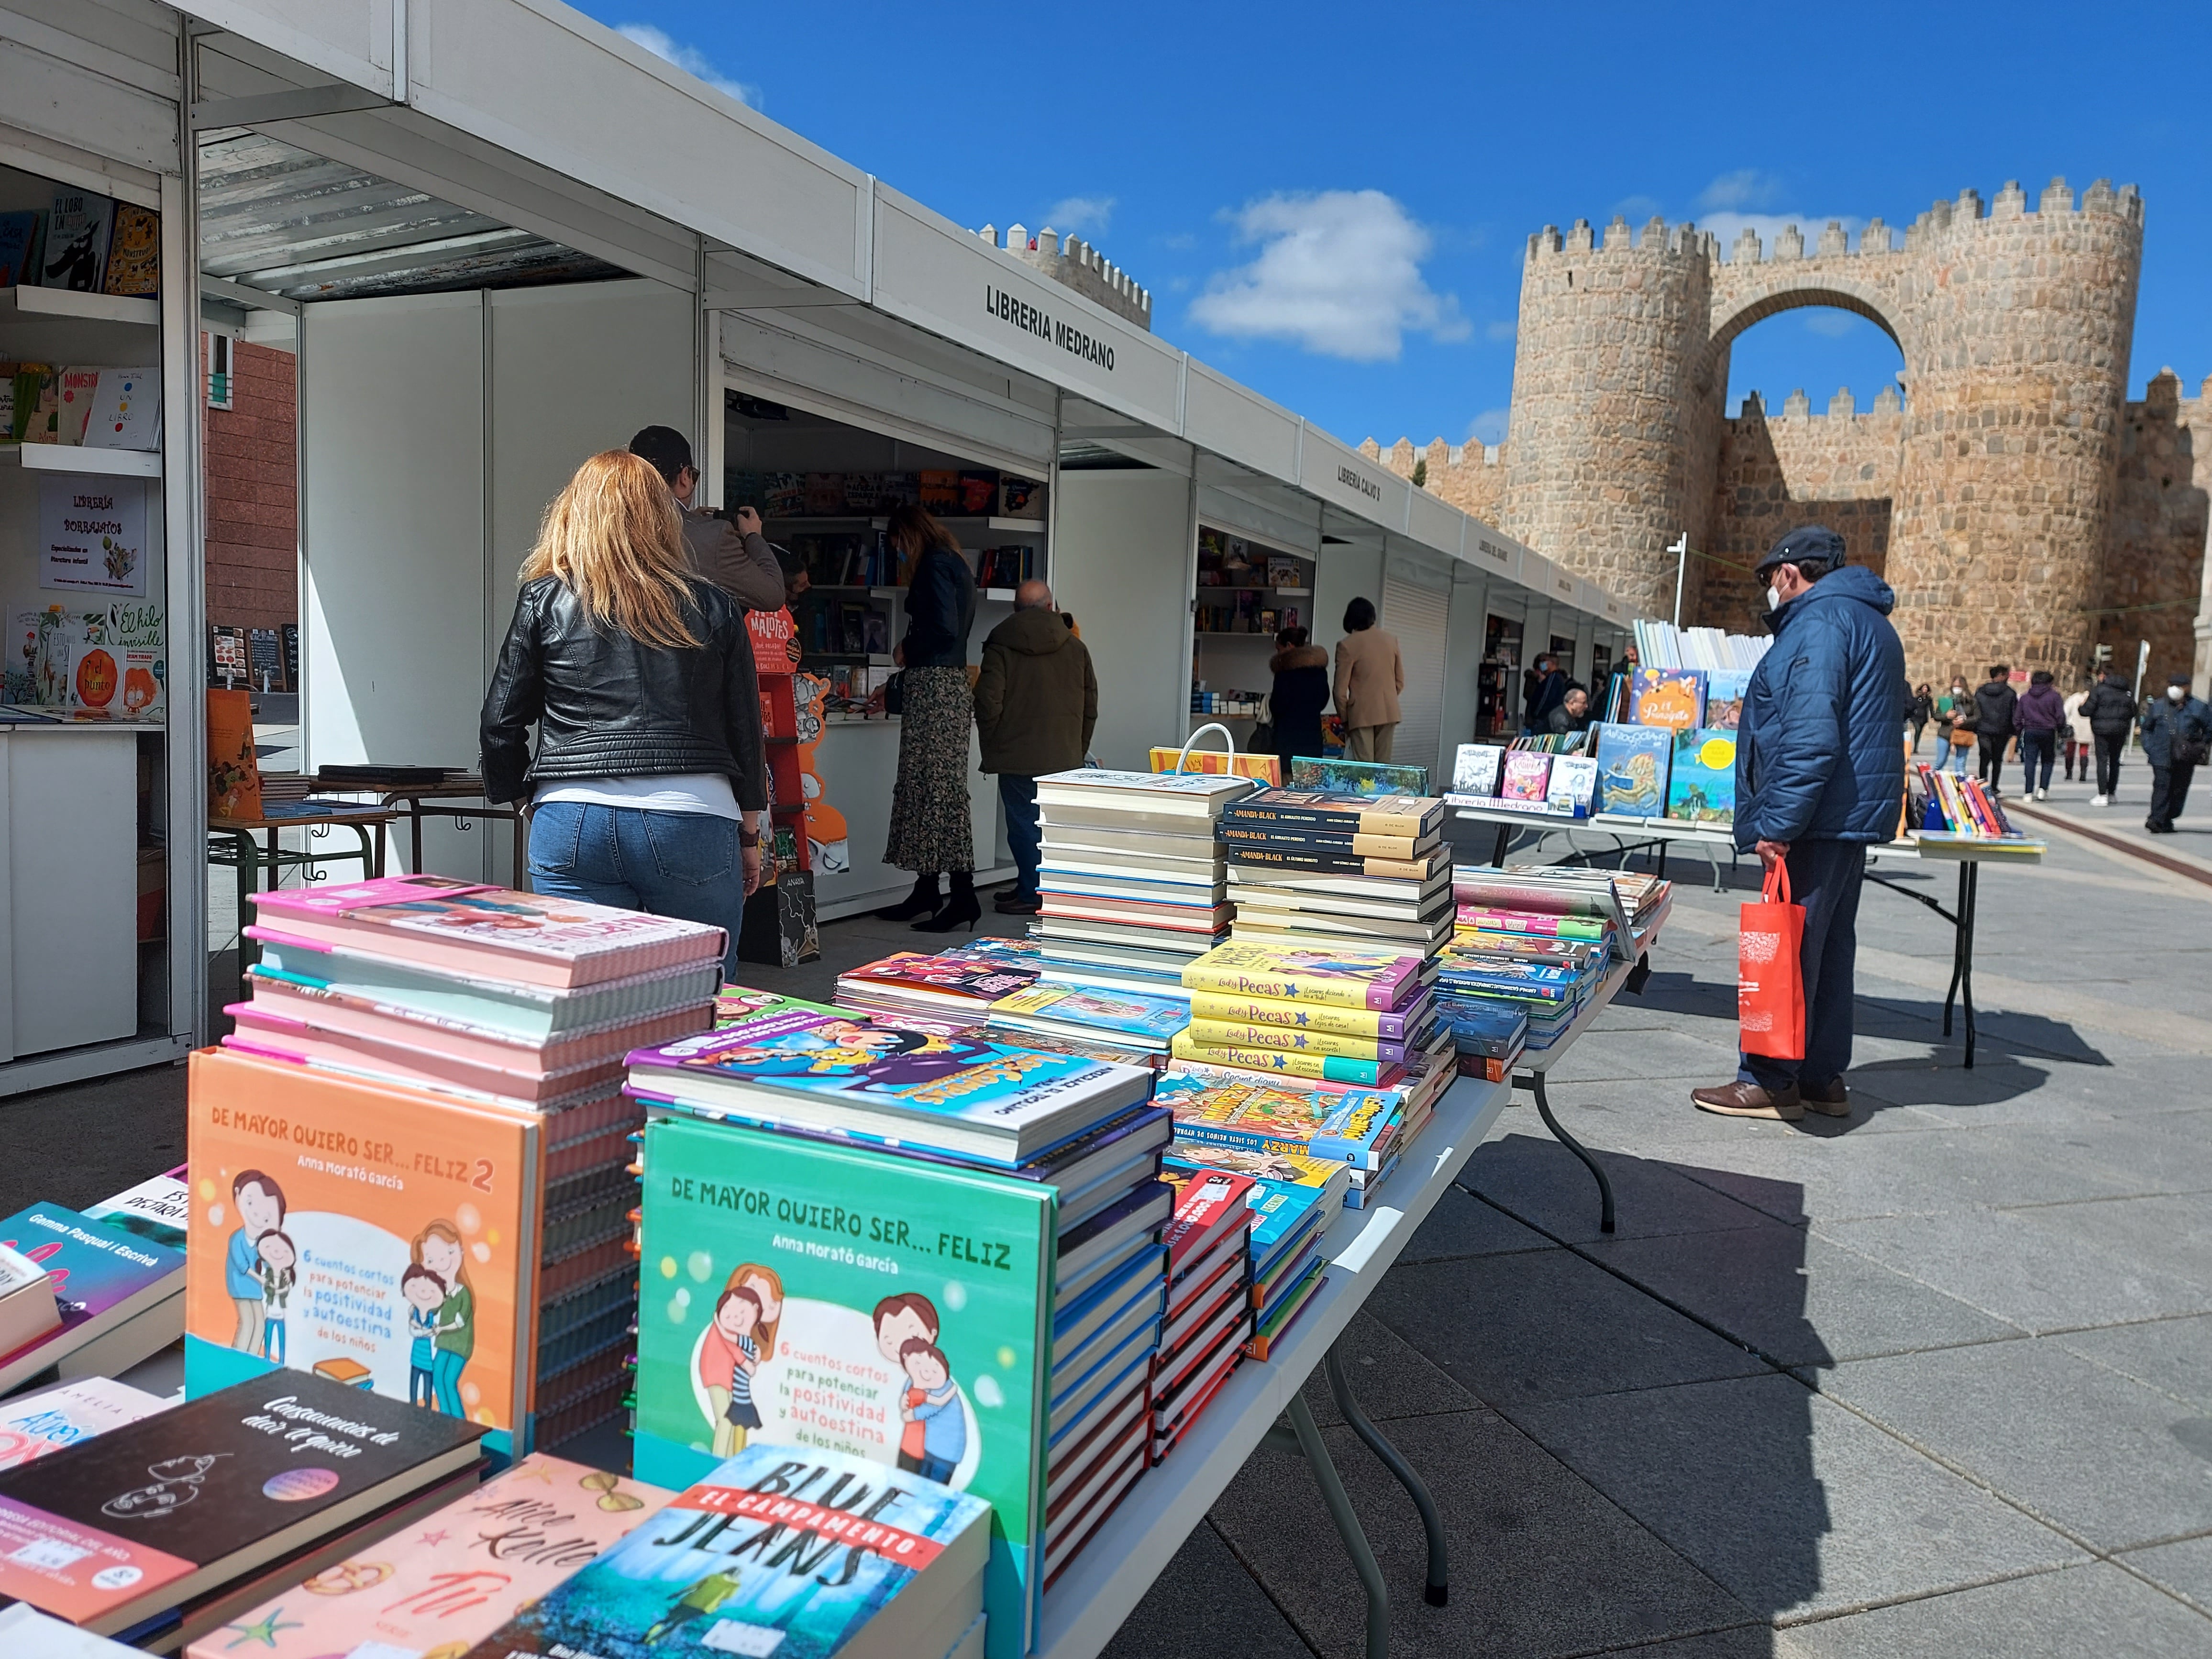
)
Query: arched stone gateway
[{"x": 1990, "y": 492}]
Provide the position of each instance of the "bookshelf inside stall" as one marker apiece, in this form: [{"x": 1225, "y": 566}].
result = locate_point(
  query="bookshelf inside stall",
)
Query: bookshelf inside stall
[
  {"x": 84, "y": 704},
  {"x": 1246, "y": 591}
]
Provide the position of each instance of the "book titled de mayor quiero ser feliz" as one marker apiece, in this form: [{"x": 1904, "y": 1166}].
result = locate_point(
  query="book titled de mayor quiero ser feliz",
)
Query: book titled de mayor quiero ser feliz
[{"x": 802, "y": 1293}]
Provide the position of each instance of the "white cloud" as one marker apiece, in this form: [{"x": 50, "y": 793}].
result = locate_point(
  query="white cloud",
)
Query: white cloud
[
  {"x": 1826, "y": 319},
  {"x": 1339, "y": 273},
  {"x": 1501, "y": 329},
  {"x": 1084, "y": 215},
  {"x": 690, "y": 59},
  {"x": 1488, "y": 428},
  {"x": 1746, "y": 188}
]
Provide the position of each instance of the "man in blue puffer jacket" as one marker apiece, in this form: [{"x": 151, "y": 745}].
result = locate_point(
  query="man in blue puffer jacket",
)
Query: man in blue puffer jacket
[{"x": 1820, "y": 775}]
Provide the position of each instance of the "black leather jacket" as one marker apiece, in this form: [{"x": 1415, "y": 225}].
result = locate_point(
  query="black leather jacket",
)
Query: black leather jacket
[
  {"x": 608, "y": 706},
  {"x": 940, "y": 609}
]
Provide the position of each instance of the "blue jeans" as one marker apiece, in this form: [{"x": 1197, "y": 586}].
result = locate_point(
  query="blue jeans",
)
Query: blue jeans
[
  {"x": 446, "y": 1368},
  {"x": 1826, "y": 878},
  {"x": 1017, "y": 795},
  {"x": 272, "y": 1340},
  {"x": 2037, "y": 748},
  {"x": 670, "y": 864}
]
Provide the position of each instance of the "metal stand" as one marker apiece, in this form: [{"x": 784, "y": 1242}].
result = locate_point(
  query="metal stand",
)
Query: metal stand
[
  {"x": 1438, "y": 1592},
  {"x": 1304, "y": 1435},
  {"x": 1533, "y": 1082},
  {"x": 1961, "y": 991}
]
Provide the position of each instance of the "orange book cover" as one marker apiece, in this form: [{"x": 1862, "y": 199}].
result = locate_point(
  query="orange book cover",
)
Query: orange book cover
[
  {"x": 1266, "y": 769},
  {"x": 234, "y": 776},
  {"x": 379, "y": 1236}
]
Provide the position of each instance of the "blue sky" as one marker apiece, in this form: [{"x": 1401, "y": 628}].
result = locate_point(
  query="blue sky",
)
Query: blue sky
[{"x": 1336, "y": 211}]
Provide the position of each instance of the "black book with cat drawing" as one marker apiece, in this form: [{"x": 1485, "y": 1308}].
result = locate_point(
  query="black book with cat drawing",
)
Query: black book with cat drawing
[{"x": 111, "y": 1531}]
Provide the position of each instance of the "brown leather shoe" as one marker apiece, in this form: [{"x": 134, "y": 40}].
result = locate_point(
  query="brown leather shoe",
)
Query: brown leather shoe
[
  {"x": 1830, "y": 1100},
  {"x": 1749, "y": 1100}
]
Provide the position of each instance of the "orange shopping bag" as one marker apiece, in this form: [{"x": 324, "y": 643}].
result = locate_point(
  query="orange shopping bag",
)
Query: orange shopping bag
[{"x": 1770, "y": 987}]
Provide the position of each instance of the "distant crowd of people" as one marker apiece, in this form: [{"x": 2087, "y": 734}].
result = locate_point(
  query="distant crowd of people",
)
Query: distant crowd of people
[{"x": 2091, "y": 725}]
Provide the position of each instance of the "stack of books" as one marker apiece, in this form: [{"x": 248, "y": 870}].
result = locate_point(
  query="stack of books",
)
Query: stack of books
[
  {"x": 1132, "y": 879},
  {"x": 1951, "y": 805},
  {"x": 455, "y": 1578},
  {"x": 159, "y": 1530},
  {"x": 1129, "y": 1026},
  {"x": 1316, "y": 867},
  {"x": 1292, "y": 1201},
  {"x": 968, "y": 1236},
  {"x": 793, "y": 1550},
  {"x": 944, "y": 994},
  {"x": 1209, "y": 1321},
  {"x": 1540, "y": 940},
  {"x": 33, "y": 1425},
  {"x": 419, "y": 1146},
  {"x": 102, "y": 1297}
]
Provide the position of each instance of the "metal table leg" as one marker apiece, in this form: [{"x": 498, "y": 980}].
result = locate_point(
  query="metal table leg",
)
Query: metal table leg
[
  {"x": 1438, "y": 1592},
  {"x": 1969, "y": 887},
  {"x": 1533, "y": 1081},
  {"x": 1504, "y": 841},
  {"x": 1305, "y": 1435}
]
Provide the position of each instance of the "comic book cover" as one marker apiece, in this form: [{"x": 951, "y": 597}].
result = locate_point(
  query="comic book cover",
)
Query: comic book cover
[
  {"x": 382, "y": 1238},
  {"x": 1701, "y": 789},
  {"x": 809, "y": 1294},
  {"x": 1672, "y": 697},
  {"x": 1632, "y": 771}
]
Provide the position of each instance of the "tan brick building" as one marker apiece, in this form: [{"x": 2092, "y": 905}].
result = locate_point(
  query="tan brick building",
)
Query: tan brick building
[{"x": 2022, "y": 508}]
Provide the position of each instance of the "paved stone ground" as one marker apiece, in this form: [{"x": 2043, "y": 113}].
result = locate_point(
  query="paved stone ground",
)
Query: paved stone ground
[{"x": 1936, "y": 1379}]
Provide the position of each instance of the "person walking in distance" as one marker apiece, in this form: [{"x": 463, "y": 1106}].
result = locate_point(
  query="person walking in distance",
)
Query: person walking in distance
[
  {"x": 1995, "y": 704},
  {"x": 1370, "y": 675},
  {"x": 2177, "y": 739},
  {"x": 1036, "y": 704},
  {"x": 1917, "y": 712},
  {"x": 1820, "y": 772},
  {"x": 2111, "y": 713},
  {"x": 930, "y": 831},
  {"x": 2074, "y": 729},
  {"x": 1298, "y": 696},
  {"x": 2038, "y": 716}
]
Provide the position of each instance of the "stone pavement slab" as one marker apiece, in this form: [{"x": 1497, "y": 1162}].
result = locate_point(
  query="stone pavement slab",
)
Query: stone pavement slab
[
  {"x": 2184, "y": 1569},
  {"x": 1463, "y": 1224},
  {"x": 1542, "y": 1566},
  {"x": 2173, "y": 1356},
  {"x": 2167, "y": 1233},
  {"x": 1389, "y": 1378},
  {"x": 1629, "y": 1054},
  {"x": 1539, "y": 1182},
  {"x": 2108, "y": 1460},
  {"x": 1205, "y": 1593},
  {"x": 1792, "y": 1502},
  {"x": 2091, "y": 1610},
  {"x": 2015, "y": 1265},
  {"x": 1547, "y": 1325},
  {"x": 1795, "y": 1296}
]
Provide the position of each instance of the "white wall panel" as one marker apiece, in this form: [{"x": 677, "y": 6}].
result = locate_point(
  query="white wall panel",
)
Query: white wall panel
[
  {"x": 1122, "y": 557},
  {"x": 1417, "y": 611}
]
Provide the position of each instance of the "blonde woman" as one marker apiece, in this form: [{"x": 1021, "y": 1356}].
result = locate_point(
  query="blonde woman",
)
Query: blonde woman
[{"x": 648, "y": 788}]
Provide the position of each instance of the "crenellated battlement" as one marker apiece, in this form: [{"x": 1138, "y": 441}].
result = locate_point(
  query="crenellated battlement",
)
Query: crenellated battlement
[
  {"x": 1874, "y": 239},
  {"x": 1075, "y": 263}
]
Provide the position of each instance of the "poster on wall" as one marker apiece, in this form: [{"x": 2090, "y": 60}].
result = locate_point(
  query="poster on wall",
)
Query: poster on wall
[{"x": 91, "y": 534}]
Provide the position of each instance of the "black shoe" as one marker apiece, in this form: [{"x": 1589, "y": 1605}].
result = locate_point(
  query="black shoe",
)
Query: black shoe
[
  {"x": 1018, "y": 904},
  {"x": 921, "y": 901},
  {"x": 961, "y": 910}
]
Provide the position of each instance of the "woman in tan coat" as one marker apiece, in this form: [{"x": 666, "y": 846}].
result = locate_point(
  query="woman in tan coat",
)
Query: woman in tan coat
[{"x": 1370, "y": 675}]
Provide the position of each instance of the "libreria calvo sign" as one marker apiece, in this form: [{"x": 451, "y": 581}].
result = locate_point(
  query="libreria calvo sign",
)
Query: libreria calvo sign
[{"x": 1055, "y": 331}]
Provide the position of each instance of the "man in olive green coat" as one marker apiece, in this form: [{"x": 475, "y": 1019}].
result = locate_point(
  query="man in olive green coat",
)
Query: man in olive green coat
[{"x": 1037, "y": 704}]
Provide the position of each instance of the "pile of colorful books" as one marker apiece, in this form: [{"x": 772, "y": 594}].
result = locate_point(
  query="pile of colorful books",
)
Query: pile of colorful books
[
  {"x": 1209, "y": 1309},
  {"x": 1131, "y": 1026},
  {"x": 1539, "y": 939},
  {"x": 92, "y": 1294},
  {"x": 946, "y": 993},
  {"x": 1293, "y": 1197},
  {"x": 1952, "y": 804},
  {"x": 1132, "y": 879},
  {"x": 415, "y": 1147},
  {"x": 1313, "y": 867},
  {"x": 893, "y": 1242}
]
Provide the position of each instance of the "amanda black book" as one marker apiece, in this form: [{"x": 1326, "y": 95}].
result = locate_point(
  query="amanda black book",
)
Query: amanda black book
[{"x": 116, "y": 1528}]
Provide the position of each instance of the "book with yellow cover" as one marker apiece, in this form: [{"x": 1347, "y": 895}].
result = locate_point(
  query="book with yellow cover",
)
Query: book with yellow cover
[
  {"x": 1342, "y": 976},
  {"x": 381, "y": 1236},
  {"x": 1309, "y": 1016},
  {"x": 1288, "y": 1064},
  {"x": 1290, "y": 1039}
]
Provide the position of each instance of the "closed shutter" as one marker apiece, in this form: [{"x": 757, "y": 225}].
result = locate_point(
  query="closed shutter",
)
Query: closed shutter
[{"x": 1417, "y": 614}]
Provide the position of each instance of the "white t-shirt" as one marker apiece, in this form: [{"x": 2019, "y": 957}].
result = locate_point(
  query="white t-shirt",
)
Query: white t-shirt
[{"x": 708, "y": 793}]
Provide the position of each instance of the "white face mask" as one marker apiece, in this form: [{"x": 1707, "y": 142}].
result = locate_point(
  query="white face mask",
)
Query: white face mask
[
  {"x": 2176, "y": 693},
  {"x": 1773, "y": 598}
]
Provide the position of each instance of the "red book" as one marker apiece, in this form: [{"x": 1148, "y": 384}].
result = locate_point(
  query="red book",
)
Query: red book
[{"x": 1208, "y": 1203}]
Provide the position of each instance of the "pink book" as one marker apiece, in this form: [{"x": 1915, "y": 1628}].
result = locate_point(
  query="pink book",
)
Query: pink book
[
  {"x": 451, "y": 1579},
  {"x": 411, "y": 1063},
  {"x": 337, "y": 1013},
  {"x": 1526, "y": 772},
  {"x": 533, "y": 938}
]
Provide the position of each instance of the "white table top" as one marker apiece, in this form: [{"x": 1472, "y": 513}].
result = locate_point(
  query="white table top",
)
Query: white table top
[
  {"x": 1134, "y": 1546},
  {"x": 1611, "y": 823}
]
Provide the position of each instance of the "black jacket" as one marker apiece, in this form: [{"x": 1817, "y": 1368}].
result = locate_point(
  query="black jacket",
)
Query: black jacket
[
  {"x": 608, "y": 706},
  {"x": 940, "y": 609},
  {"x": 1295, "y": 702},
  {"x": 1995, "y": 703},
  {"x": 2109, "y": 709},
  {"x": 2165, "y": 721}
]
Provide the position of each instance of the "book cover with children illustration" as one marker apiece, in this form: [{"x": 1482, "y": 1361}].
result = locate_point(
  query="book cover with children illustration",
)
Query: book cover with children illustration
[
  {"x": 797, "y": 1293},
  {"x": 382, "y": 1239}
]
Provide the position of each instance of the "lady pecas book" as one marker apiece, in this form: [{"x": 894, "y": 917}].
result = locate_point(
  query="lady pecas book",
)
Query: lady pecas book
[
  {"x": 1342, "y": 976},
  {"x": 532, "y": 937},
  {"x": 152, "y": 1513}
]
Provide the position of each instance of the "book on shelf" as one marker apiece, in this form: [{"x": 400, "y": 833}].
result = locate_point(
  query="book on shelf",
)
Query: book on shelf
[
  {"x": 1358, "y": 777},
  {"x": 465, "y": 1570},
  {"x": 1525, "y": 777},
  {"x": 1632, "y": 763},
  {"x": 119, "y": 1295},
  {"x": 1572, "y": 786},
  {"x": 77, "y": 384},
  {"x": 21, "y": 234},
  {"x": 134, "y": 253},
  {"x": 953, "y": 1094},
  {"x": 1671, "y": 697},
  {"x": 78, "y": 228},
  {"x": 124, "y": 411},
  {"x": 1724, "y": 693},
  {"x": 151, "y": 1514},
  {"x": 471, "y": 927},
  {"x": 925, "y": 1290},
  {"x": 1701, "y": 779},
  {"x": 1475, "y": 769},
  {"x": 33, "y": 1425}
]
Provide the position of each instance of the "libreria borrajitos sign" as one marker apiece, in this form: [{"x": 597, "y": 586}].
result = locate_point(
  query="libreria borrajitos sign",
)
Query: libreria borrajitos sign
[{"x": 1054, "y": 330}]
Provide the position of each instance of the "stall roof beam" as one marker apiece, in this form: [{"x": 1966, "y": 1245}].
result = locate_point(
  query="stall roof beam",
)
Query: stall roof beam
[{"x": 263, "y": 108}]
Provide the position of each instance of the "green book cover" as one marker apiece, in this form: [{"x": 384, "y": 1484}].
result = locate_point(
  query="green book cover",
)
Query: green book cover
[{"x": 799, "y": 1293}]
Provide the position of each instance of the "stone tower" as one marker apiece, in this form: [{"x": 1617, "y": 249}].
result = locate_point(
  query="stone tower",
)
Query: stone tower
[{"x": 2013, "y": 320}]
